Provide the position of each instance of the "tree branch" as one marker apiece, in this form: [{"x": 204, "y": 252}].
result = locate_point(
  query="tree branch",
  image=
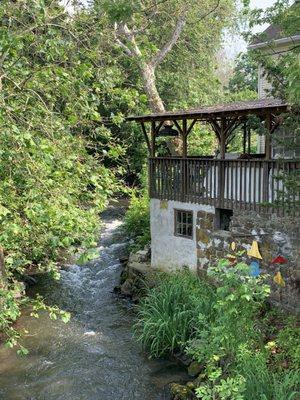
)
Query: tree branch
[
  {"x": 124, "y": 47},
  {"x": 158, "y": 58},
  {"x": 123, "y": 30}
]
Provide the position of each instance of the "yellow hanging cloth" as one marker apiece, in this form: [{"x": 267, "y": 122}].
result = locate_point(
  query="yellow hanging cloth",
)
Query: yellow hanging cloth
[
  {"x": 279, "y": 280},
  {"x": 254, "y": 251}
]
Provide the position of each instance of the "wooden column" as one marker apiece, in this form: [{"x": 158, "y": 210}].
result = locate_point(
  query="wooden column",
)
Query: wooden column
[
  {"x": 153, "y": 146},
  {"x": 184, "y": 138},
  {"x": 221, "y": 180},
  {"x": 184, "y": 161},
  {"x": 249, "y": 139},
  {"x": 223, "y": 138},
  {"x": 268, "y": 136},
  {"x": 244, "y": 136},
  {"x": 268, "y": 127}
]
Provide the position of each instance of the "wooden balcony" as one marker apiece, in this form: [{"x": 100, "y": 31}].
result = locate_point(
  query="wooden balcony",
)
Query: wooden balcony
[{"x": 260, "y": 185}]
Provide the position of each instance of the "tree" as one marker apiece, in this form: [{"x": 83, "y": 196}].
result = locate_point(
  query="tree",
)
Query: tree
[
  {"x": 281, "y": 67},
  {"x": 147, "y": 31},
  {"x": 244, "y": 75},
  {"x": 52, "y": 185}
]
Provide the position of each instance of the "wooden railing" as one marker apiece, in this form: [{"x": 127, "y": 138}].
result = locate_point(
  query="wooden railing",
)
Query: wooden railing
[{"x": 235, "y": 184}]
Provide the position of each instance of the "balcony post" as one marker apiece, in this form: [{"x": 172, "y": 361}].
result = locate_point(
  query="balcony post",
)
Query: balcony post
[
  {"x": 184, "y": 138},
  {"x": 265, "y": 194},
  {"x": 268, "y": 136},
  {"x": 185, "y": 167},
  {"x": 221, "y": 180},
  {"x": 223, "y": 138},
  {"x": 153, "y": 139}
]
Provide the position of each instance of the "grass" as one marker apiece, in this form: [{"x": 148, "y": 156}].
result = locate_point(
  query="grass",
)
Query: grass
[{"x": 168, "y": 314}]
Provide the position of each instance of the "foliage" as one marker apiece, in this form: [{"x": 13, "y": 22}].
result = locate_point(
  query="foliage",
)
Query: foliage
[
  {"x": 202, "y": 141},
  {"x": 137, "y": 220},
  {"x": 222, "y": 324},
  {"x": 288, "y": 342},
  {"x": 238, "y": 300},
  {"x": 168, "y": 314},
  {"x": 283, "y": 69},
  {"x": 244, "y": 75},
  {"x": 262, "y": 382},
  {"x": 193, "y": 59},
  {"x": 52, "y": 185},
  {"x": 230, "y": 388}
]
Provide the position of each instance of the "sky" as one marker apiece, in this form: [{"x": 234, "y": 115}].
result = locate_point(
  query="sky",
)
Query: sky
[{"x": 235, "y": 44}]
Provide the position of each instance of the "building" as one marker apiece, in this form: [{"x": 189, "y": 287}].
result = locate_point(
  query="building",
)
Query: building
[
  {"x": 272, "y": 42},
  {"x": 204, "y": 207}
]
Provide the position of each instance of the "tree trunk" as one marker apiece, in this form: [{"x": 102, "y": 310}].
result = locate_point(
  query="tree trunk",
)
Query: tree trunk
[{"x": 155, "y": 102}]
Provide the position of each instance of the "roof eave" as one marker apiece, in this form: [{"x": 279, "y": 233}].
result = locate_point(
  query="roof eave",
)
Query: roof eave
[
  {"x": 207, "y": 116},
  {"x": 281, "y": 41}
]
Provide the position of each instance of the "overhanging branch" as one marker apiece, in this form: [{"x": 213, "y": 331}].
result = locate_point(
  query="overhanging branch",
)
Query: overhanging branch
[{"x": 158, "y": 58}]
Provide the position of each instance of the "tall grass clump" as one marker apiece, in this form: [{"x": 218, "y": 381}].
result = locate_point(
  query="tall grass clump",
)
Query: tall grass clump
[{"x": 169, "y": 314}]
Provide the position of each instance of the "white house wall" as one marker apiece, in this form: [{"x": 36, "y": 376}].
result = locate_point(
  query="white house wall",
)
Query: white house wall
[{"x": 167, "y": 250}]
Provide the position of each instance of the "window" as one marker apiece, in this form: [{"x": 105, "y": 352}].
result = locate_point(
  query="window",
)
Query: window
[
  {"x": 184, "y": 223},
  {"x": 223, "y": 218}
]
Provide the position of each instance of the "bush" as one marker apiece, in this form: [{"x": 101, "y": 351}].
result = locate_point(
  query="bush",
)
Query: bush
[
  {"x": 137, "y": 220},
  {"x": 169, "y": 314},
  {"x": 224, "y": 326},
  {"x": 262, "y": 381},
  {"x": 239, "y": 297}
]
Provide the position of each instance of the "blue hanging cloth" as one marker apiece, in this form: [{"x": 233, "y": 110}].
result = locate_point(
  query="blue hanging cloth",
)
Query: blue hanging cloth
[{"x": 254, "y": 269}]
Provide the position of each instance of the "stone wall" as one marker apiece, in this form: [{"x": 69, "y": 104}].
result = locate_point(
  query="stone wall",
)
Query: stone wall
[{"x": 275, "y": 235}]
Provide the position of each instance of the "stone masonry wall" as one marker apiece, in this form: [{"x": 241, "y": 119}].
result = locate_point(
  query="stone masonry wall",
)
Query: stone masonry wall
[{"x": 275, "y": 235}]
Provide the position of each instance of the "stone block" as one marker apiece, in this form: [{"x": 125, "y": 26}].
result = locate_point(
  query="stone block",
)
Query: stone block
[{"x": 202, "y": 236}]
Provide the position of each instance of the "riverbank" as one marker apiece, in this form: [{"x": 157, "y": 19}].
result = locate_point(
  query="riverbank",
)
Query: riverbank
[
  {"x": 231, "y": 342},
  {"x": 95, "y": 354}
]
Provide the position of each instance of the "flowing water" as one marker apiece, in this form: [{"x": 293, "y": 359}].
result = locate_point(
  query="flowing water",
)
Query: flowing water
[{"x": 94, "y": 357}]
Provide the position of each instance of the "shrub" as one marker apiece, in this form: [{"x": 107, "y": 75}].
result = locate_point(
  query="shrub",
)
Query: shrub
[
  {"x": 238, "y": 299},
  {"x": 168, "y": 315},
  {"x": 220, "y": 325},
  {"x": 137, "y": 220},
  {"x": 262, "y": 382}
]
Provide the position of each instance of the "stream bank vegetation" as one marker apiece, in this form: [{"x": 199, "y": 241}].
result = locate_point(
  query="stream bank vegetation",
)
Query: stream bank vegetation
[
  {"x": 240, "y": 347},
  {"x": 67, "y": 79}
]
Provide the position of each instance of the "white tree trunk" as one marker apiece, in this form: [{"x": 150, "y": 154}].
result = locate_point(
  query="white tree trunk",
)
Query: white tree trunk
[{"x": 148, "y": 74}]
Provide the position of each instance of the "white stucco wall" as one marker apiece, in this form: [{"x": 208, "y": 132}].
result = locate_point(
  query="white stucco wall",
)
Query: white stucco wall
[{"x": 170, "y": 252}]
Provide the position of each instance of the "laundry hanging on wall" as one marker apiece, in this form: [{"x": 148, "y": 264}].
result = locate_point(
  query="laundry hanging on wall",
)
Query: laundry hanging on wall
[{"x": 254, "y": 251}]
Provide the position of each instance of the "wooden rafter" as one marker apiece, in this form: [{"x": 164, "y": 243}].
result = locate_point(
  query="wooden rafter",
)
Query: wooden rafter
[
  {"x": 178, "y": 127},
  {"x": 275, "y": 123},
  {"x": 146, "y": 137},
  {"x": 216, "y": 128},
  {"x": 230, "y": 133},
  {"x": 191, "y": 126},
  {"x": 158, "y": 127}
]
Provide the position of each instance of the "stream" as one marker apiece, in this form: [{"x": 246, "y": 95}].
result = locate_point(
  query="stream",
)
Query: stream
[{"x": 94, "y": 356}]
